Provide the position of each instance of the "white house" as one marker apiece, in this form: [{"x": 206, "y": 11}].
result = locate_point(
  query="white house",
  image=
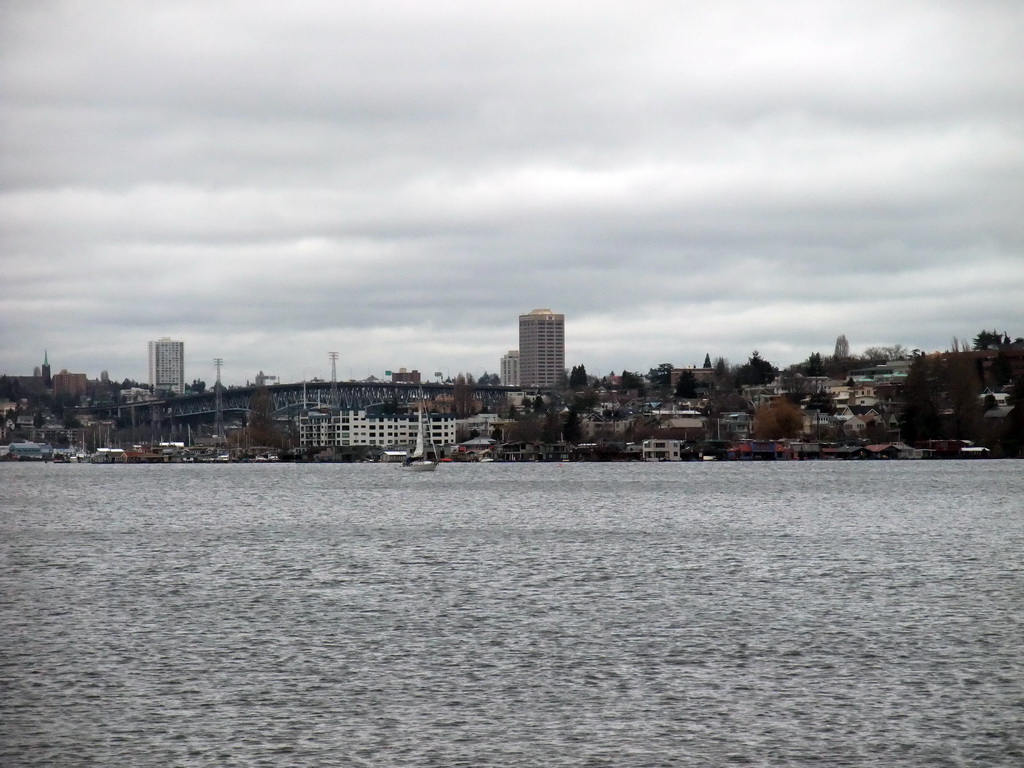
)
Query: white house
[{"x": 654, "y": 449}]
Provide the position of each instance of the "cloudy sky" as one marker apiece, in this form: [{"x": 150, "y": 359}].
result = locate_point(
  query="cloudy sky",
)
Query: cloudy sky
[{"x": 398, "y": 181}]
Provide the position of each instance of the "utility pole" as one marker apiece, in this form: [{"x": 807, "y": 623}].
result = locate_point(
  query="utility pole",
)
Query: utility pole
[{"x": 218, "y": 402}]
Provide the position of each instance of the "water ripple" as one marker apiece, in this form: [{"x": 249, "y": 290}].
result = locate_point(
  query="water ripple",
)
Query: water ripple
[{"x": 585, "y": 615}]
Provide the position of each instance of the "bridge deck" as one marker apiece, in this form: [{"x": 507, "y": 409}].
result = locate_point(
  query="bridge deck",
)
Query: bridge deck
[{"x": 291, "y": 398}]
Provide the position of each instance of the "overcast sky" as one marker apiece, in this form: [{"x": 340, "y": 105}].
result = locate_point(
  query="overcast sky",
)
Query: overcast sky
[{"x": 398, "y": 181}]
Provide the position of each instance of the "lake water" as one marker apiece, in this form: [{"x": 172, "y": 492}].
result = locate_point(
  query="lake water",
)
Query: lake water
[{"x": 826, "y": 613}]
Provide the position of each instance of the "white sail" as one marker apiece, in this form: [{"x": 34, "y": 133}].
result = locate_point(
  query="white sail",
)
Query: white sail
[
  {"x": 420, "y": 449},
  {"x": 418, "y": 459}
]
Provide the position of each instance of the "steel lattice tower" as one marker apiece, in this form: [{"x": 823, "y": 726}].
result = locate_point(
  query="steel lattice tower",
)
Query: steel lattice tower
[
  {"x": 334, "y": 378},
  {"x": 218, "y": 401}
]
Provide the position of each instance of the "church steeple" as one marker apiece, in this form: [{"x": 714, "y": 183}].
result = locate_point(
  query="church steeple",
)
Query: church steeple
[{"x": 47, "y": 379}]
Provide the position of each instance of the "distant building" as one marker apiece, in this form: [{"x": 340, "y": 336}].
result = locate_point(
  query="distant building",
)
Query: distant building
[
  {"x": 402, "y": 376},
  {"x": 37, "y": 383},
  {"x": 262, "y": 379},
  {"x": 891, "y": 370},
  {"x": 135, "y": 395},
  {"x": 167, "y": 365},
  {"x": 481, "y": 423},
  {"x": 541, "y": 349},
  {"x": 71, "y": 384},
  {"x": 703, "y": 376},
  {"x": 510, "y": 369},
  {"x": 654, "y": 449},
  {"x": 30, "y": 451},
  {"x": 352, "y": 428}
]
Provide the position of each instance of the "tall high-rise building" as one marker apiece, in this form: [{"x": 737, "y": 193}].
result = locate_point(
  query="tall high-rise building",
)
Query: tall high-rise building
[
  {"x": 541, "y": 349},
  {"x": 510, "y": 369},
  {"x": 167, "y": 365}
]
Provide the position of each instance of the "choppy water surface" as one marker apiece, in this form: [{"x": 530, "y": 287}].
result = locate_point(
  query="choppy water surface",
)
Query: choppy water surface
[{"x": 867, "y": 614}]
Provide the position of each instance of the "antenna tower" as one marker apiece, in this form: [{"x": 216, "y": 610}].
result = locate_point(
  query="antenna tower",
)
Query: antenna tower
[{"x": 218, "y": 401}]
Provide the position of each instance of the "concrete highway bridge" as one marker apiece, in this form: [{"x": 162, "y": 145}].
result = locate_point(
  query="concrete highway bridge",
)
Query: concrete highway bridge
[{"x": 290, "y": 399}]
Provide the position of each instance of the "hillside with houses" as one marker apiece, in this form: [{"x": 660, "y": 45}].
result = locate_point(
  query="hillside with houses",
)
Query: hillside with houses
[{"x": 885, "y": 403}]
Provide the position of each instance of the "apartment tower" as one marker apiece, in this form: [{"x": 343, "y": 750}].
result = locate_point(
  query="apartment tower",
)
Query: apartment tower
[
  {"x": 510, "y": 369},
  {"x": 541, "y": 349},
  {"x": 167, "y": 365}
]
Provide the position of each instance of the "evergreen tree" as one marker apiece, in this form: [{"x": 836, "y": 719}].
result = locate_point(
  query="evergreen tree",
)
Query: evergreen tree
[
  {"x": 687, "y": 385},
  {"x": 756, "y": 371},
  {"x": 10, "y": 388},
  {"x": 821, "y": 401},
  {"x": 578, "y": 377},
  {"x": 987, "y": 340},
  {"x": 919, "y": 419},
  {"x": 962, "y": 384},
  {"x": 814, "y": 365},
  {"x": 571, "y": 430},
  {"x": 632, "y": 381},
  {"x": 661, "y": 377}
]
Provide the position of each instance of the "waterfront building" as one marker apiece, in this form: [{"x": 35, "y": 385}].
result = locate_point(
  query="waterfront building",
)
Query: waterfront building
[
  {"x": 30, "y": 451},
  {"x": 541, "y": 349},
  {"x": 167, "y": 365},
  {"x": 510, "y": 369},
  {"x": 654, "y": 449},
  {"x": 360, "y": 428}
]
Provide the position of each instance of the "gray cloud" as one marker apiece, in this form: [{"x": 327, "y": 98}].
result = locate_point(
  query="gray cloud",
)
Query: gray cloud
[{"x": 397, "y": 182}]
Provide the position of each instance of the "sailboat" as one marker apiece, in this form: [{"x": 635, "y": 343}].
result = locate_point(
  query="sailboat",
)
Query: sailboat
[{"x": 419, "y": 460}]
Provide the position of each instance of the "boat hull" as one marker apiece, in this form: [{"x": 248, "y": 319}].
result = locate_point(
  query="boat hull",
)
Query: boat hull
[{"x": 420, "y": 466}]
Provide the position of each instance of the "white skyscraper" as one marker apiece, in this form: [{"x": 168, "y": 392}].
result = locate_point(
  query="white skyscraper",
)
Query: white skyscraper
[
  {"x": 510, "y": 369},
  {"x": 167, "y": 365},
  {"x": 541, "y": 349}
]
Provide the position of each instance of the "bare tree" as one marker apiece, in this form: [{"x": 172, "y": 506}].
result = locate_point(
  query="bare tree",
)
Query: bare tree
[
  {"x": 527, "y": 429},
  {"x": 778, "y": 419},
  {"x": 463, "y": 401},
  {"x": 842, "y": 351},
  {"x": 895, "y": 352},
  {"x": 262, "y": 429}
]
